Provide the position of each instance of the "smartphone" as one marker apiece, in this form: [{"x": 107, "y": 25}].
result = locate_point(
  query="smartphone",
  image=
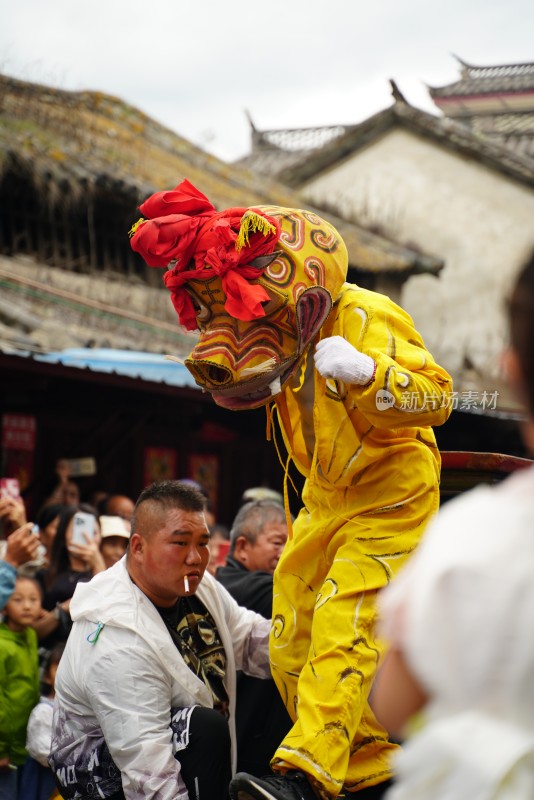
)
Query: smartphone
[
  {"x": 9, "y": 487},
  {"x": 84, "y": 528}
]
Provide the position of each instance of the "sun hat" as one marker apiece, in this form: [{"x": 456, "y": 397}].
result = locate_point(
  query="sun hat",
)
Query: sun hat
[{"x": 114, "y": 526}]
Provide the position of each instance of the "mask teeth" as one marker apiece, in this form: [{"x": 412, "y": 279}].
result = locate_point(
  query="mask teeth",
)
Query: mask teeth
[{"x": 275, "y": 386}]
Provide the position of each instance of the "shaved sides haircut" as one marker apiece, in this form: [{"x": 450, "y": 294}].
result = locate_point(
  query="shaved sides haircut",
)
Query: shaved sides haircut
[{"x": 163, "y": 496}]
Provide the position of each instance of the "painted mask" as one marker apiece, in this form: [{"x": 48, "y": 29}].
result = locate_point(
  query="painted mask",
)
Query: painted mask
[{"x": 256, "y": 312}]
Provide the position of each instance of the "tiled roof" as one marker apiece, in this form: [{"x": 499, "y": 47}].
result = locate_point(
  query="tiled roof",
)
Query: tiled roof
[
  {"x": 86, "y": 141},
  {"x": 515, "y": 131},
  {"x": 271, "y": 160},
  {"x": 301, "y": 139},
  {"x": 75, "y": 144},
  {"x": 447, "y": 132},
  {"x": 488, "y": 80},
  {"x": 276, "y": 150}
]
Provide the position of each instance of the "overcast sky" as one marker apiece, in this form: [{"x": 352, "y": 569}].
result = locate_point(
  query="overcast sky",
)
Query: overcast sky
[{"x": 196, "y": 66}]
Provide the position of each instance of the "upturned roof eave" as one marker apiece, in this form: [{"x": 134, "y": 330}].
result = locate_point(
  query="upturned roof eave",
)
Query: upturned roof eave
[
  {"x": 445, "y": 131},
  {"x": 88, "y": 167}
]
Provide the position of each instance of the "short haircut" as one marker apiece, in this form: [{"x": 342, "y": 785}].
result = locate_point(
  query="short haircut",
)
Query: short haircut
[
  {"x": 252, "y": 517},
  {"x": 165, "y": 495}
]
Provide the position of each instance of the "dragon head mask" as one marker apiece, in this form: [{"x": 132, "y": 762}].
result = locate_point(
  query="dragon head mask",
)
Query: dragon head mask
[{"x": 257, "y": 283}]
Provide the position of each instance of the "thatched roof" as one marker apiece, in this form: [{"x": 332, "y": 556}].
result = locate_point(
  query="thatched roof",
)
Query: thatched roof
[{"x": 76, "y": 144}]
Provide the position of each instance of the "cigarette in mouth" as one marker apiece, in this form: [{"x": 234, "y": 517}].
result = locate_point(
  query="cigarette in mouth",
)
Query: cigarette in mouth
[{"x": 186, "y": 583}]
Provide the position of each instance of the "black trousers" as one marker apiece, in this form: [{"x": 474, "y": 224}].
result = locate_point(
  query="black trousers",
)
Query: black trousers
[
  {"x": 372, "y": 793},
  {"x": 205, "y": 762}
]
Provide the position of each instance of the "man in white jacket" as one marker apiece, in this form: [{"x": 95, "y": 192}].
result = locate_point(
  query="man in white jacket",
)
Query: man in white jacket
[{"x": 145, "y": 692}]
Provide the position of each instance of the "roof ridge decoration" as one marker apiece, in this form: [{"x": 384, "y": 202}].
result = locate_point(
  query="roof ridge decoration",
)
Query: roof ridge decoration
[
  {"x": 493, "y": 79},
  {"x": 495, "y": 70},
  {"x": 304, "y": 138}
]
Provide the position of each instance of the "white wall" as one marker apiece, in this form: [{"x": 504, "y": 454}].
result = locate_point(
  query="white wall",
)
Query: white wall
[{"x": 478, "y": 220}]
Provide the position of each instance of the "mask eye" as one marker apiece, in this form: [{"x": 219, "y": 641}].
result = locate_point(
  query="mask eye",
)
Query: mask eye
[{"x": 203, "y": 314}]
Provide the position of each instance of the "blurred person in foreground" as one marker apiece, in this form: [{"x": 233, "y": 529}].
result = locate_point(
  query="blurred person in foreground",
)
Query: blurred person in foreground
[
  {"x": 145, "y": 692},
  {"x": 459, "y": 619},
  {"x": 257, "y": 538}
]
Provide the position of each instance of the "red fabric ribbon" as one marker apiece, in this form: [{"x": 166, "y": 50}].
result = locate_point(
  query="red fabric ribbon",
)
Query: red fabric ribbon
[{"x": 183, "y": 227}]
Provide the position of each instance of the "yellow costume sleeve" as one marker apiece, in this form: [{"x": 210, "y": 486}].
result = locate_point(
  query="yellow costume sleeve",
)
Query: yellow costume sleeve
[{"x": 409, "y": 388}]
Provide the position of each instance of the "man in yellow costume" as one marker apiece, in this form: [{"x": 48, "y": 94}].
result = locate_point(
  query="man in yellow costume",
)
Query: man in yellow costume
[{"x": 355, "y": 392}]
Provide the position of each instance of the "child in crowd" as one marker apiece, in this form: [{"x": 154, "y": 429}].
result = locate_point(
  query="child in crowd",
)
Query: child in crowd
[
  {"x": 37, "y": 780},
  {"x": 19, "y": 680}
]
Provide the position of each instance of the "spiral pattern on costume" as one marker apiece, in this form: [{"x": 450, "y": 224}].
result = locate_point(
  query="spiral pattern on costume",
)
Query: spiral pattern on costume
[
  {"x": 314, "y": 269},
  {"x": 278, "y": 626},
  {"x": 328, "y": 591},
  {"x": 310, "y": 216},
  {"x": 294, "y": 237},
  {"x": 325, "y": 240},
  {"x": 298, "y": 288},
  {"x": 281, "y": 271}
]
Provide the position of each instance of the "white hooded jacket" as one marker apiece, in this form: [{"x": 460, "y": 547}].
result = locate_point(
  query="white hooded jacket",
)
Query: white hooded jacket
[{"x": 121, "y": 674}]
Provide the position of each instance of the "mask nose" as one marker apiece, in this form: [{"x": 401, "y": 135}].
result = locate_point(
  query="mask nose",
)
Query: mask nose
[{"x": 210, "y": 375}]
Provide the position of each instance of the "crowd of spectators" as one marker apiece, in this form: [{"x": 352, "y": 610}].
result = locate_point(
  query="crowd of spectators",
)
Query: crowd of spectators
[{"x": 42, "y": 560}]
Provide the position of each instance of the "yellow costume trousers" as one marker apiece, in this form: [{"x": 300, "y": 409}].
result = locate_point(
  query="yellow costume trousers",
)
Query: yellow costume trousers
[{"x": 324, "y": 651}]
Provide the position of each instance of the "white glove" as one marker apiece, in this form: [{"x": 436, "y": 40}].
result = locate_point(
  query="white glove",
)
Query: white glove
[{"x": 336, "y": 358}]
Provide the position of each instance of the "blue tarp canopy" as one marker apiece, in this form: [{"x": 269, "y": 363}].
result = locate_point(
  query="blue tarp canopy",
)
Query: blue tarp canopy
[{"x": 130, "y": 363}]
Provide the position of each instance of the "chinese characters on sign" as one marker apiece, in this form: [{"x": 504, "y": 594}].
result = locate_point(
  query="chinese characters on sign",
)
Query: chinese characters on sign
[{"x": 18, "y": 432}]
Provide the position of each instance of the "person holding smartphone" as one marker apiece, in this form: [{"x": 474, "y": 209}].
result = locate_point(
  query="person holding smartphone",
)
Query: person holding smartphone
[
  {"x": 75, "y": 556},
  {"x": 12, "y": 508},
  {"x": 19, "y": 548}
]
